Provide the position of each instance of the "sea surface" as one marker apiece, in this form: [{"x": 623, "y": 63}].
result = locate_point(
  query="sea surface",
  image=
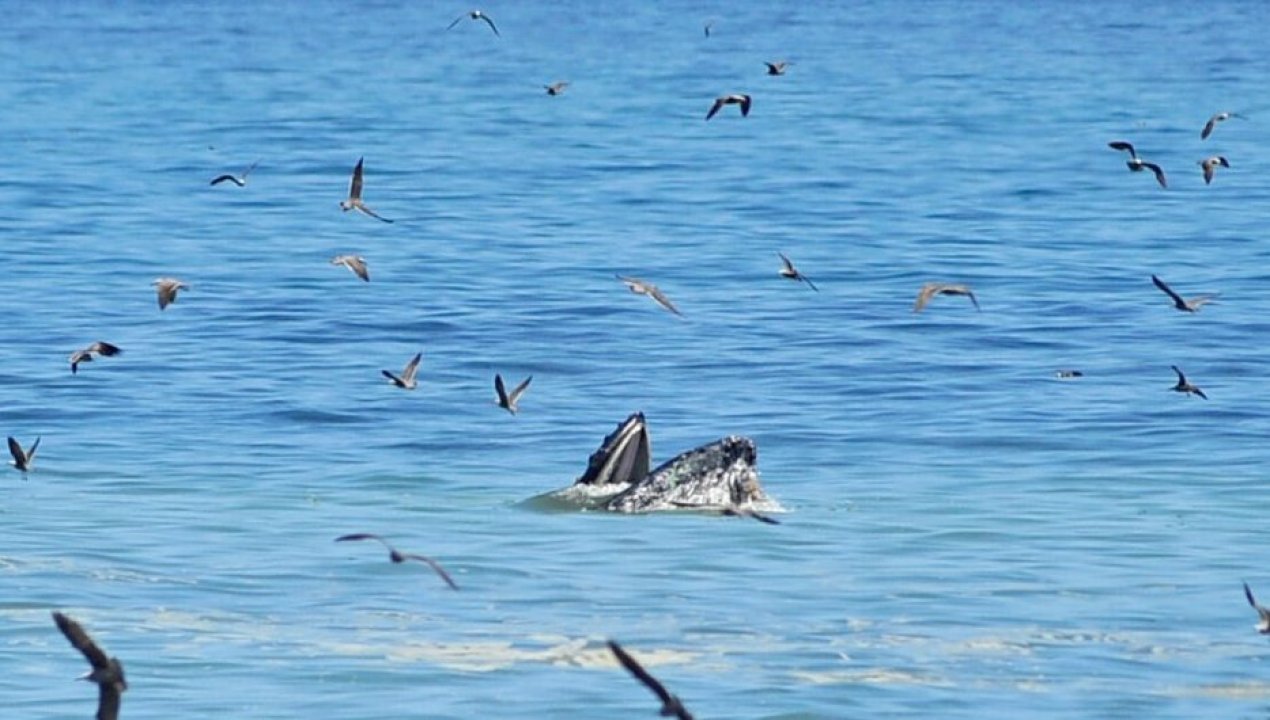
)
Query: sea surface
[{"x": 965, "y": 535}]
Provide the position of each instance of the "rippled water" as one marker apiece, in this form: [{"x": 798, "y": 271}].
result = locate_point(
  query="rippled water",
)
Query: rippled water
[{"x": 967, "y": 536}]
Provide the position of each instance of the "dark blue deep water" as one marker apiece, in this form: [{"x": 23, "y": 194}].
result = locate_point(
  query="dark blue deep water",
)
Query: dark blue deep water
[{"x": 966, "y": 535}]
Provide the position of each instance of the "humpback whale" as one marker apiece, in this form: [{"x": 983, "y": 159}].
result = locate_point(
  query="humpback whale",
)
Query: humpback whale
[{"x": 715, "y": 476}]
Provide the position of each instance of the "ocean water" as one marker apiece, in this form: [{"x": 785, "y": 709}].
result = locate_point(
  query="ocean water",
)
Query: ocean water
[{"x": 965, "y": 537}]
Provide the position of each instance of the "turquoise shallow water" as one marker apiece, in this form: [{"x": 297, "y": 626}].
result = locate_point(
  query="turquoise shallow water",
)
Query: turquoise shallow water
[{"x": 967, "y": 536}]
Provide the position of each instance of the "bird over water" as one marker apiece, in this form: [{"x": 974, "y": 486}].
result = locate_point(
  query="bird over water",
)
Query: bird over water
[
  {"x": 22, "y": 459},
  {"x": 239, "y": 180},
  {"x": 1137, "y": 164},
  {"x": 107, "y": 671},
  {"x": 476, "y": 15},
  {"x": 166, "y": 289},
  {"x": 738, "y": 99},
  {"x": 355, "y": 263},
  {"x": 354, "y": 201},
  {"x": 1263, "y": 615},
  {"x": 670, "y": 704},
  {"x": 1185, "y": 305},
  {"x": 930, "y": 290},
  {"x": 639, "y": 287},
  {"x": 508, "y": 401},
  {"x": 406, "y": 381},
  {"x": 1184, "y": 386},
  {"x": 399, "y": 557},
  {"x": 84, "y": 355},
  {"x": 789, "y": 271}
]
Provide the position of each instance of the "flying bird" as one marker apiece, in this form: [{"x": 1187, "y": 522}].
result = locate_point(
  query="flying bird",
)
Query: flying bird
[
  {"x": 1263, "y": 615},
  {"x": 354, "y": 201},
  {"x": 407, "y": 379},
  {"x": 556, "y": 88},
  {"x": 789, "y": 271},
  {"x": 166, "y": 288},
  {"x": 729, "y": 511},
  {"x": 738, "y": 99},
  {"x": 1191, "y": 305},
  {"x": 639, "y": 287},
  {"x": 508, "y": 401},
  {"x": 1212, "y": 123},
  {"x": 1210, "y": 165},
  {"x": 776, "y": 68},
  {"x": 355, "y": 263},
  {"x": 107, "y": 671},
  {"x": 104, "y": 349},
  {"x": 399, "y": 557},
  {"x": 709, "y": 26},
  {"x": 930, "y": 290},
  {"x": 1185, "y": 387},
  {"x": 1137, "y": 164},
  {"x": 475, "y": 15},
  {"x": 670, "y": 704},
  {"x": 22, "y": 459},
  {"x": 1068, "y": 374},
  {"x": 239, "y": 180}
]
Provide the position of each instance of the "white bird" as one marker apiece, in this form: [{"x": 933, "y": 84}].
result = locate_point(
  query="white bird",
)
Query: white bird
[
  {"x": 475, "y": 15},
  {"x": 239, "y": 180},
  {"x": 737, "y": 99},
  {"x": 355, "y": 263},
  {"x": 1212, "y": 123}
]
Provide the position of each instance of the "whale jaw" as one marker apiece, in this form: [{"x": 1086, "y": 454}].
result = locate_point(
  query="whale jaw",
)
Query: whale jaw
[{"x": 720, "y": 474}]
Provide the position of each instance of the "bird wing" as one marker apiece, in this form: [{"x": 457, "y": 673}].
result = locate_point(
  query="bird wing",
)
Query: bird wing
[
  {"x": 167, "y": 293},
  {"x": 972, "y": 297},
  {"x": 15, "y": 449},
  {"x": 1181, "y": 379},
  {"x": 788, "y": 265},
  {"x": 81, "y": 641},
  {"x": 392, "y": 376},
  {"x": 109, "y": 697},
  {"x": 499, "y": 388},
  {"x": 487, "y": 19},
  {"x": 105, "y": 348},
  {"x": 365, "y": 536},
  {"x": 248, "y": 171},
  {"x": 30, "y": 454},
  {"x": 1199, "y": 392},
  {"x": 412, "y": 368},
  {"x": 714, "y": 108},
  {"x": 372, "y": 213},
  {"x": 355, "y": 264},
  {"x": 222, "y": 178},
  {"x": 355, "y": 185},
  {"x": 1159, "y": 173},
  {"x": 456, "y": 22},
  {"x": 1208, "y": 127},
  {"x": 655, "y": 293},
  {"x": 1125, "y": 146},
  {"x": 640, "y": 673},
  {"x": 924, "y": 295},
  {"x": 1177, "y": 299},
  {"x": 436, "y": 567},
  {"x": 1209, "y": 171},
  {"x": 745, "y": 105},
  {"x": 1248, "y": 594},
  {"x": 807, "y": 280},
  {"x": 520, "y": 389}
]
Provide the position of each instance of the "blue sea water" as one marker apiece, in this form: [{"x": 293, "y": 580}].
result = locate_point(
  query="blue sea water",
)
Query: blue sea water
[{"x": 966, "y": 535}]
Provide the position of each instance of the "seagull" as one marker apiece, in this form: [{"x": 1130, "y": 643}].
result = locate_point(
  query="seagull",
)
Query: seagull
[
  {"x": 1212, "y": 123},
  {"x": 506, "y": 401},
  {"x": 670, "y": 705},
  {"x": 107, "y": 671},
  {"x": 788, "y": 270},
  {"x": 730, "y": 511},
  {"x": 738, "y": 99},
  {"x": 1210, "y": 166},
  {"x": 1190, "y": 306},
  {"x": 355, "y": 263},
  {"x": 1137, "y": 164},
  {"x": 22, "y": 459},
  {"x": 475, "y": 15},
  {"x": 104, "y": 349},
  {"x": 1183, "y": 386},
  {"x": 1263, "y": 615},
  {"x": 239, "y": 180},
  {"x": 354, "y": 200},
  {"x": 407, "y": 379},
  {"x": 1068, "y": 374},
  {"x": 167, "y": 289},
  {"x": 400, "y": 557},
  {"x": 776, "y": 68},
  {"x": 639, "y": 287},
  {"x": 556, "y": 88},
  {"x": 930, "y": 290}
]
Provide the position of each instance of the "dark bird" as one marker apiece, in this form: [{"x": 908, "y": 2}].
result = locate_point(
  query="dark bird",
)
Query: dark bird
[
  {"x": 776, "y": 68},
  {"x": 104, "y": 349},
  {"x": 930, "y": 290},
  {"x": 508, "y": 401},
  {"x": 406, "y": 381},
  {"x": 239, "y": 180},
  {"x": 354, "y": 201},
  {"x": 670, "y": 705},
  {"x": 1263, "y": 615},
  {"x": 475, "y": 15},
  {"x": 1210, "y": 165},
  {"x": 789, "y": 271},
  {"x": 355, "y": 263},
  {"x": 1068, "y": 374},
  {"x": 1212, "y": 123},
  {"x": 1137, "y": 164},
  {"x": 22, "y": 459},
  {"x": 729, "y": 511},
  {"x": 556, "y": 88},
  {"x": 639, "y": 287},
  {"x": 709, "y": 26},
  {"x": 1183, "y": 386},
  {"x": 1190, "y": 306},
  {"x": 107, "y": 671},
  {"x": 399, "y": 557},
  {"x": 166, "y": 289},
  {"x": 719, "y": 102}
]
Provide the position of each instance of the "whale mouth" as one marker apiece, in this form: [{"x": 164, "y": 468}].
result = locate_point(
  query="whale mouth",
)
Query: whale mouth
[{"x": 623, "y": 458}]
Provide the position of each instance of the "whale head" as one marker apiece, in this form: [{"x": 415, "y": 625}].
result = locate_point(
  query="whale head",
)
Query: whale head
[{"x": 720, "y": 474}]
